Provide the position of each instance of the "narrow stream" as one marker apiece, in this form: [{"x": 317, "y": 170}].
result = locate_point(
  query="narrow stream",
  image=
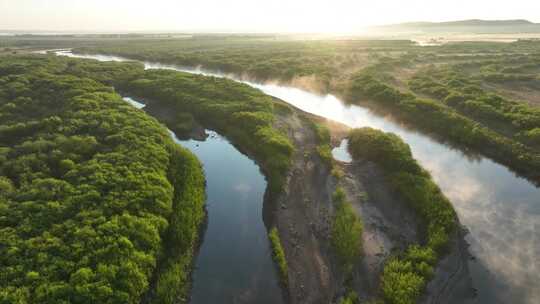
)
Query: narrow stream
[
  {"x": 234, "y": 264},
  {"x": 501, "y": 210}
]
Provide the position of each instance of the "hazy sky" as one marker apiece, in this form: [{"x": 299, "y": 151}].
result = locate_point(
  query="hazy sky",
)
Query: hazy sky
[{"x": 247, "y": 15}]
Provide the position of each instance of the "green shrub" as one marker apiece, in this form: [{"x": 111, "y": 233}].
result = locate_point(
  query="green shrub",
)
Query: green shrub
[
  {"x": 241, "y": 113},
  {"x": 442, "y": 119},
  {"x": 279, "y": 255},
  {"x": 350, "y": 298},
  {"x": 346, "y": 231},
  {"x": 184, "y": 226},
  {"x": 404, "y": 277},
  {"x": 400, "y": 283},
  {"x": 324, "y": 148},
  {"x": 95, "y": 198}
]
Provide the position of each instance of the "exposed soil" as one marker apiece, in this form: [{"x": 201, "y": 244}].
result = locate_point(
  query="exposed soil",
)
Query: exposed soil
[
  {"x": 389, "y": 227},
  {"x": 303, "y": 215},
  {"x": 452, "y": 282}
]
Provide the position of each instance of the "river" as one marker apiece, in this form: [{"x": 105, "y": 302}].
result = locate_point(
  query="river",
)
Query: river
[
  {"x": 500, "y": 210},
  {"x": 234, "y": 263}
]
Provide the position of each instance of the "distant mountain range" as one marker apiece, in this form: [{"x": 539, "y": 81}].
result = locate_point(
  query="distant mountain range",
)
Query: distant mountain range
[{"x": 472, "y": 26}]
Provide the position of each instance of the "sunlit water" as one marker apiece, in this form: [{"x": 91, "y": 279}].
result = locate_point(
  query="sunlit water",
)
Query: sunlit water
[
  {"x": 234, "y": 264},
  {"x": 341, "y": 153},
  {"x": 134, "y": 103},
  {"x": 501, "y": 210}
]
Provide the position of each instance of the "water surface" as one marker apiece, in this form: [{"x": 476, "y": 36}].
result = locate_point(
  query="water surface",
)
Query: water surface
[
  {"x": 501, "y": 210},
  {"x": 234, "y": 264},
  {"x": 341, "y": 153}
]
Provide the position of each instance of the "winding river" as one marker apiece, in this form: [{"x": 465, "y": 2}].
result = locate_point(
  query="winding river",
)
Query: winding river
[
  {"x": 234, "y": 263},
  {"x": 500, "y": 210}
]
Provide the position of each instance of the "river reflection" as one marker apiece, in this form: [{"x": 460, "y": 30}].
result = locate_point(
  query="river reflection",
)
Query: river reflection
[
  {"x": 501, "y": 211},
  {"x": 234, "y": 264}
]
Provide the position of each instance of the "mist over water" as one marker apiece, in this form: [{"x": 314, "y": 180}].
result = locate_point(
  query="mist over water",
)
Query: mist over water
[{"x": 501, "y": 210}]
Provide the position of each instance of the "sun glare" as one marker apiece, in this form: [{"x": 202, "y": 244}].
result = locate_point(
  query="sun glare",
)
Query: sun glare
[{"x": 339, "y": 16}]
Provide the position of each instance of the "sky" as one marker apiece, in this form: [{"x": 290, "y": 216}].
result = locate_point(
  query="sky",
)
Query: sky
[{"x": 297, "y": 16}]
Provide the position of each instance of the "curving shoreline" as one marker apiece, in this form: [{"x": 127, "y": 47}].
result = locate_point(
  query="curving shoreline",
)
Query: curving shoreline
[{"x": 452, "y": 171}]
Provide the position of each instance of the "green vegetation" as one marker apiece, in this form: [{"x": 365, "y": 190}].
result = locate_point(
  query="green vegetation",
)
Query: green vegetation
[
  {"x": 279, "y": 255},
  {"x": 95, "y": 196},
  {"x": 350, "y": 298},
  {"x": 243, "y": 114},
  {"x": 260, "y": 57},
  {"x": 466, "y": 93},
  {"x": 439, "y": 118},
  {"x": 405, "y": 276},
  {"x": 324, "y": 148},
  {"x": 189, "y": 197},
  {"x": 467, "y": 111},
  {"x": 346, "y": 231},
  {"x": 511, "y": 118}
]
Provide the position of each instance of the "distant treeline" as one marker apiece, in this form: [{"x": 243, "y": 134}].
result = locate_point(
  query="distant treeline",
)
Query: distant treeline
[
  {"x": 260, "y": 59},
  {"x": 516, "y": 120},
  {"x": 444, "y": 120}
]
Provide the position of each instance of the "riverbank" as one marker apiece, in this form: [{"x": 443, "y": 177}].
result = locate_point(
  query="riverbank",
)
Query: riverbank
[
  {"x": 365, "y": 89},
  {"x": 304, "y": 228},
  {"x": 173, "y": 275},
  {"x": 302, "y": 211},
  {"x": 429, "y": 229},
  {"x": 303, "y": 215},
  {"x": 475, "y": 185}
]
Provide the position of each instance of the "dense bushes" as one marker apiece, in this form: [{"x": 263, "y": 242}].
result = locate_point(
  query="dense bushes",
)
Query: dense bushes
[
  {"x": 500, "y": 114},
  {"x": 441, "y": 119},
  {"x": 404, "y": 277},
  {"x": 350, "y": 298},
  {"x": 346, "y": 231},
  {"x": 92, "y": 190},
  {"x": 324, "y": 148},
  {"x": 188, "y": 201},
  {"x": 279, "y": 255},
  {"x": 243, "y": 114},
  {"x": 400, "y": 282}
]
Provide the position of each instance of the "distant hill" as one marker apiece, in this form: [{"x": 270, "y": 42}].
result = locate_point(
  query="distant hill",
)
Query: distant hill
[{"x": 472, "y": 26}]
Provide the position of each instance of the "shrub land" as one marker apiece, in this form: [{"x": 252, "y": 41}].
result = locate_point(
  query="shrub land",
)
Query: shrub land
[
  {"x": 95, "y": 196},
  {"x": 406, "y": 275}
]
